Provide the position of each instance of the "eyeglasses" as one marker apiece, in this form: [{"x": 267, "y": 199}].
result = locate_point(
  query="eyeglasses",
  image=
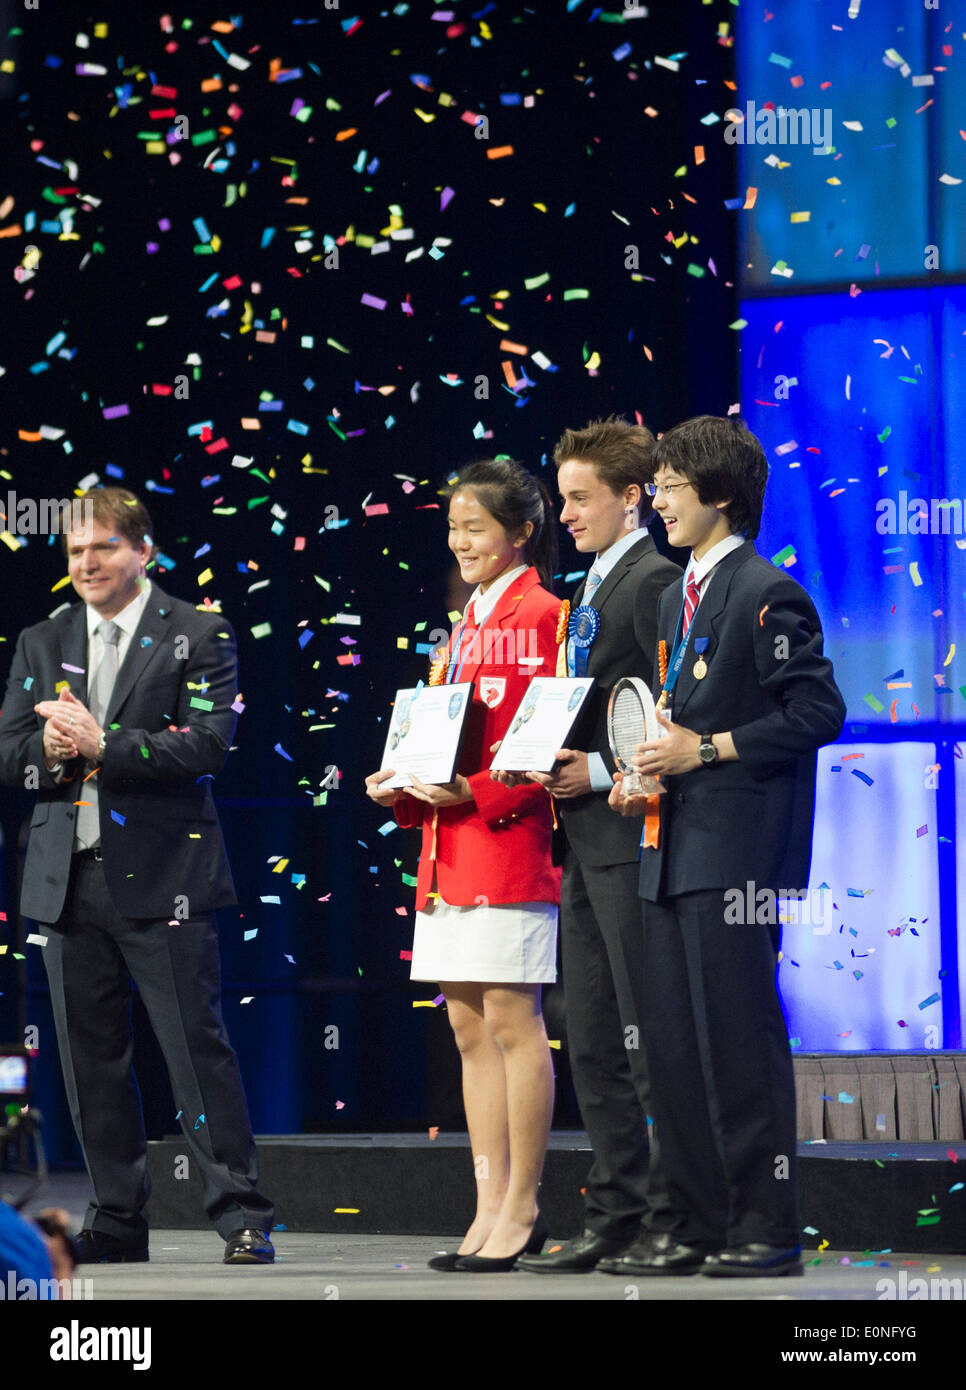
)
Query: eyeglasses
[{"x": 652, "y": 489}]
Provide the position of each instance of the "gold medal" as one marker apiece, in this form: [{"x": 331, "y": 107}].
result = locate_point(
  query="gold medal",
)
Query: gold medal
[{"x": 700, "y": 669}]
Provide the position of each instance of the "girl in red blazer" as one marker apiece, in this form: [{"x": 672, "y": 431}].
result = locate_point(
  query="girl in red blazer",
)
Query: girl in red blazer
[{"x": 487, "y": 894}]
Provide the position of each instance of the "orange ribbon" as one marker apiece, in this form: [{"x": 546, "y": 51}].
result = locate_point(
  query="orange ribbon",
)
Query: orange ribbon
[
  {"x": 652, "y": 822},
  {"x": 563, "y": 618}
]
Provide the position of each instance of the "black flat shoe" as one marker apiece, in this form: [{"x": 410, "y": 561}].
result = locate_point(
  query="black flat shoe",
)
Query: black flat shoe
[
  {"x": 249, "y": 1248},
  {"x": 576, "y": 1256},
  {"x": 754, "y": 1262},
  {"x": 485, "y": 1264},
  {"x": 94, "y": 1248}
]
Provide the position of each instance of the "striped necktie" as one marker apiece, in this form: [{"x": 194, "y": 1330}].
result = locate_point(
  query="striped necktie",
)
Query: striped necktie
[{"x": 691, "y": 596}]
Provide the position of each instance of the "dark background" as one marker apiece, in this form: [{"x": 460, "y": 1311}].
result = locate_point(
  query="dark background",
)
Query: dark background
[{"x": 584, "y": 143}]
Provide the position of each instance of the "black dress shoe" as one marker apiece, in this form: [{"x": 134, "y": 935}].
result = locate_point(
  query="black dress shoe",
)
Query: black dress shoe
[
  {"x": 754, "y": 1261},
  {"x": 249, "y": 1248},
  {"x": 640, "y": 1249},
  {"x": 487, "y": 1264},
  {"x": 576, "y": 1256},
  {"x": 95, "y": 1248},
  {"x": 656, "y": 1256}
]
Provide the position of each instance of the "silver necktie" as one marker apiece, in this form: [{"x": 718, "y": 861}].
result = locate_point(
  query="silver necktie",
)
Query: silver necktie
[{"x": 87, "y": 831}]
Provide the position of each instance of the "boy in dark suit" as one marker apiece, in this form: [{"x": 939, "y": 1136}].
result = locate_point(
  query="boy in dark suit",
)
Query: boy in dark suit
[
  {"x": 119, "y": 710},
  {"x": 749, "y": 698},
  {"x": 601, "y": 474}
]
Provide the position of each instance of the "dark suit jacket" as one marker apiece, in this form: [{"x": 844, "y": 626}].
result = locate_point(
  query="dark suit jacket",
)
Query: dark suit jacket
[
  {"x": 627, "y": 602},
  {"x": 769, "y": 685},
  {"x": 160, "y": 835}
]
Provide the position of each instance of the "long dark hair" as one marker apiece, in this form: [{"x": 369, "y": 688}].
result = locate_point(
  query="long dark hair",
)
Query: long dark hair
[{"x": 513, "y": 497}]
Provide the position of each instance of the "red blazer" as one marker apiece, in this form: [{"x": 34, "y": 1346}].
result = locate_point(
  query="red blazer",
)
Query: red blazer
[{"x": 498, "y": 845}]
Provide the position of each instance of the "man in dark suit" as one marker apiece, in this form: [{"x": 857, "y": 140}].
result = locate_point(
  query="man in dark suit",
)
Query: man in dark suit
[
  {"x": 601, "y": 474},
  {"x": 753, "y": 698},
  {"x": 119, "y": 711}
]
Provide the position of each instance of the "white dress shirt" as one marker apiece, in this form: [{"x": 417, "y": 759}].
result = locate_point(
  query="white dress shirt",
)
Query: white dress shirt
[
  {"x": 484, "y": 604},
  {"x": 605, "y": 560},
  {"x": 704, "y": 568},
  {"x": 128, "y": 621}
]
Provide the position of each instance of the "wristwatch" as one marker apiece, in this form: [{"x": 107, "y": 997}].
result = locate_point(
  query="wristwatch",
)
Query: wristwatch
[
  {"x": 707, "y": 751},
  {"x": 102, "y": 743}
]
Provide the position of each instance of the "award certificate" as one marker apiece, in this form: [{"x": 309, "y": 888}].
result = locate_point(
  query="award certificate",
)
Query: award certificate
[
  {"x": 542, "y": 723},
  {"x": 426, "y": 732}
]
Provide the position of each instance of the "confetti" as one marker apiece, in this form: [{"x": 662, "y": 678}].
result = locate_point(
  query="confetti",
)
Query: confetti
[{"x": 192, "y": 290}]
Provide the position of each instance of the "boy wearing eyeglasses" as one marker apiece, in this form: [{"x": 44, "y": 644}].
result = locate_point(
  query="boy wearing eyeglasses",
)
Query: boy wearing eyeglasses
[
  {"x": 746, "y": 700},
  {"x": 601, "y": 473},
  {"x": 601, "y": 476}
]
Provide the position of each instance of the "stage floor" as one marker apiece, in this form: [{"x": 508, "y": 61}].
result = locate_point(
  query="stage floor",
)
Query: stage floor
[{"x": 186, "y": 1265}]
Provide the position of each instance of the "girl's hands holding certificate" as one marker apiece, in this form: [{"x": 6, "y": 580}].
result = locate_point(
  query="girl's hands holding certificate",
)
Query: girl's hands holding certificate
[
  {"x": 382, "y": 796},
  {"x": 445, "y": 794},
  {"x": 508, "y": 779}
]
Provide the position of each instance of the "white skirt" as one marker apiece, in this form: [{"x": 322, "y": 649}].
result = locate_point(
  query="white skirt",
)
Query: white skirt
[{"x": 513, "y": 943}]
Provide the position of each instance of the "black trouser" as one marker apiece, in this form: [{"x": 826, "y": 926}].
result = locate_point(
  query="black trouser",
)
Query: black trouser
[
  {"x": 92, "y": 955},
  {"x": 602, "y": 955},
  {"x": 721, "y": 1073}
]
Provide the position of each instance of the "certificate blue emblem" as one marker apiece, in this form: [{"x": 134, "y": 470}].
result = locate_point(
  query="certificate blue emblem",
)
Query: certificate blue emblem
[{"x": 582, "y": 630}]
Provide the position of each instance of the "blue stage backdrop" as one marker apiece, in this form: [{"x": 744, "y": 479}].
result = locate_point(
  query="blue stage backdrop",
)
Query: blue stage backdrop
[
  {"x": 280, "y": 273},
  {"x": 852, "y": 276}
]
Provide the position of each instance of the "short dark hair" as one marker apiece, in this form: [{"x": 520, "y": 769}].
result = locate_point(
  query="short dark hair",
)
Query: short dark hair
[
  {"x": 721, "y": 458},
  {"x": 621, "y": 453},
  {"x": 119, "y": 509}
]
